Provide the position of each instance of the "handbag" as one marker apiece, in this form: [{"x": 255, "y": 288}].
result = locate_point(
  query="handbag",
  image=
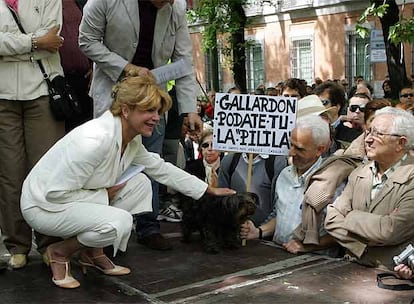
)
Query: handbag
[{"x": 63, "y": 102}]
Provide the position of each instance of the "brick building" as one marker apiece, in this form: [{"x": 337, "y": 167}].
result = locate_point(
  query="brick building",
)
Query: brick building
[{"x": 304, "y": 39}]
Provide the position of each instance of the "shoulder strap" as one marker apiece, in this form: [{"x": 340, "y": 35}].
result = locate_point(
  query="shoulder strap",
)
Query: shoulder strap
[
  {"x": 16, "y": 19},
  {"x": 233, "y": 165},
  {"x": 270, "y": 166},
  {"x": 381, "y": 284},
  {"x": 39, "y": 62}
]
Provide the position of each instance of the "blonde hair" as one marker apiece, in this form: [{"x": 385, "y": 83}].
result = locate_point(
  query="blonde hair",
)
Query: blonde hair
[{"x": 139, "y": 92}]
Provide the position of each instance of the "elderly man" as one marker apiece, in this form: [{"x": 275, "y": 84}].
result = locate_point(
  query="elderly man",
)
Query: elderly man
[
  {"x": 373, "y": 217},
  {"x": 309, "y": 140}
]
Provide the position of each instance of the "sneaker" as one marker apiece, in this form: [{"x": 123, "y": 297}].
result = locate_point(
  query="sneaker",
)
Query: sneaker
[
  {"x": 17, "y": 261},
  {"x": 155, "y": 241},
  {"x": 170, "y": 214}
]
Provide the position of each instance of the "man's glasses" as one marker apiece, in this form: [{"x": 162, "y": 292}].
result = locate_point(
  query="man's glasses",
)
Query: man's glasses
[
  {"x": 205, "y": 145},
  {"x": 377, "y": 134},
  {"x": 407, "y": 95},
  {"x": 353, "y": 108},
  {"x": 291, "y": 95}
]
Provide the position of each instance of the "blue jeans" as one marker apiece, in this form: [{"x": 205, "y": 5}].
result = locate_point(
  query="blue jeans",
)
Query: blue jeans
[{"x": 148, "y": 224}]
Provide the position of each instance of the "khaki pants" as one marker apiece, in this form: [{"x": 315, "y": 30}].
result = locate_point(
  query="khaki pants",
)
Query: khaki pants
[{"x": 27, "y": 131}]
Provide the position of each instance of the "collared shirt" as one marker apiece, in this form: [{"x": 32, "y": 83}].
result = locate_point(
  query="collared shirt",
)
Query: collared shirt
[
  {"x": 256, "y": 159},
  {"x": 379, "y": 182},
  {"x": 288, "y": 208}
]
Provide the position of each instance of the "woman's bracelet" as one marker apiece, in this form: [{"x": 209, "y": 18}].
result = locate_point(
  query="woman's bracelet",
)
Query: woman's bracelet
[{"x": 34, "y": 43}]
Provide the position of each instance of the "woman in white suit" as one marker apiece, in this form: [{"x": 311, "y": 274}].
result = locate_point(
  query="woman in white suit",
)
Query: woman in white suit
[{"x": 71, "y": 192}]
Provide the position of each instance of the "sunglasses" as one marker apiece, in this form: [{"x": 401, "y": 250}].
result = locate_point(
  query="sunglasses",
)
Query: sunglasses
[
  {"x": 353, "y": 108},
  {"x": 206, "y": 145},
  {"x": 407, "y": 95},
  {"x": 291, "y": 95},
  {"x": 325, "y": 102}
]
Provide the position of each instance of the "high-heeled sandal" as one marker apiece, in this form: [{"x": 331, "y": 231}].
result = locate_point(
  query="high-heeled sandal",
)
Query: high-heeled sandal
[
  {"x": 115, "y": 271},
  {"x": 68, "y": 281}
]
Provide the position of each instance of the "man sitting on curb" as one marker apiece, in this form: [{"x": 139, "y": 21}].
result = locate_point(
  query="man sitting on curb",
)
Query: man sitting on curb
[
  {"x": 373, "y": 217},
  {"x": 310, "y": 138}
]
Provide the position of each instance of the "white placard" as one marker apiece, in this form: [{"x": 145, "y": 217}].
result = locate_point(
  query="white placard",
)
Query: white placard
[{"x": 253, "y": 123}]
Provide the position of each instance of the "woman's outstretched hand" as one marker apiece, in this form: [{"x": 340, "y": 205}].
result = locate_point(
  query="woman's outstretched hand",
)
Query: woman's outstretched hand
[{"x": 219, "y": 191}]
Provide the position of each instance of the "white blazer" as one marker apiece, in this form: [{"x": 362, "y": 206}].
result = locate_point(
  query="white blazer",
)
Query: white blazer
[{"x": 80, "y": 166}]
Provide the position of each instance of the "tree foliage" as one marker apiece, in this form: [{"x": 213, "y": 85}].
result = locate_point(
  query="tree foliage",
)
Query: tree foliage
[
  {"x": 226, "y": 20},
  {"x": 396, "y": 31}
]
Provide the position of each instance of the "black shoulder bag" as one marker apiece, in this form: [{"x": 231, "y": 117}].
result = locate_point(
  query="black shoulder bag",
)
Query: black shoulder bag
[{"x": 63, "y": 102}]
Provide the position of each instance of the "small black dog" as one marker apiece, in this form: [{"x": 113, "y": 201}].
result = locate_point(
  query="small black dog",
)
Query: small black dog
[{"x": 217, "y": 218}]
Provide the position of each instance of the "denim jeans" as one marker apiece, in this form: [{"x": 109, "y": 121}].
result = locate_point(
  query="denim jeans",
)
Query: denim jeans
[{"x": 148, "y": 224}]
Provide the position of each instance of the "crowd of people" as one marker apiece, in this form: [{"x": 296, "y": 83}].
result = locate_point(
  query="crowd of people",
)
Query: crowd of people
[{"x": 345, "y": 189}]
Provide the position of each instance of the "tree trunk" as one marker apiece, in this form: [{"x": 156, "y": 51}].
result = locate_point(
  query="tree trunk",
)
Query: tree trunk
[
  {"x": 238, "y": 46},
  {"x": 395, "y": 54},
  {"x": 214, "y": 69}
]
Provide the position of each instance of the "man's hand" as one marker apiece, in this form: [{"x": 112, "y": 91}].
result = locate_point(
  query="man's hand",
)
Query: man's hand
[
  {"x": 294, "y": 246},
  {"x": 248, "y": 231},
  {"x": 219, "y": 191},
  {"x": 134, "y": 70},
  {"x": 194, "y": 122},
  {"x": 50, "y": 42},
  {"x": 404, "y": 272},
  {"x": 114, "y": 189}
]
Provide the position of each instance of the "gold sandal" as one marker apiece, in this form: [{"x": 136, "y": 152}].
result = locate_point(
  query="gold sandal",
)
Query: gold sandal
[
  {"x": 68, "y": 281},
  {"x": 115, "y": 271}
]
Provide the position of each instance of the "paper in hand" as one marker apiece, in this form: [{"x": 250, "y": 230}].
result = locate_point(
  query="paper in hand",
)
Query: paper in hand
[
  {"x": 171, "y": 71},
  {"x": 129, "y": 173}
]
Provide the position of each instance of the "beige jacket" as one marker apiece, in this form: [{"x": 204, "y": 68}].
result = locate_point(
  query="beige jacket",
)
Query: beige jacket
[
  {"x": 21, "y": 79},
  {"x": 374, "y": 231},
  {"x": 320, "y": 191}
]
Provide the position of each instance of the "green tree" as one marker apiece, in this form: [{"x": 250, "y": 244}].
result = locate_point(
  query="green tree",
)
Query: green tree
[
  {"x": 227, "y": 19},
  {"x": 396, "y": 31}
]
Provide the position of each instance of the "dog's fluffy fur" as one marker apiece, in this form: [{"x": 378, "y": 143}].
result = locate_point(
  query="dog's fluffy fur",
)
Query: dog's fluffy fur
[{"x": 218, "y": 219}]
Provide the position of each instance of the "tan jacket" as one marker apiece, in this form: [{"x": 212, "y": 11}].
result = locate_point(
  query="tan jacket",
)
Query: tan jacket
[
  {"x": 20, "y": 78},
  {"x": 374, "y": 231},
  {"x": 322, "y": 185}
]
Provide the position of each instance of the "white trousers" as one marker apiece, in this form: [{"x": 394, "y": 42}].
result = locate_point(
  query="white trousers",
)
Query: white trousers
[{"x": 97, "y": 225}]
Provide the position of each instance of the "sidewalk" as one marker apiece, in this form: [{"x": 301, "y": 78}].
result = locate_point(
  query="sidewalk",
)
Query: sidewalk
[{"x": 256, "y": 274}]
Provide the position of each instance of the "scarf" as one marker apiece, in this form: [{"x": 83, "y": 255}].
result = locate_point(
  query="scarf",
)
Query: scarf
[
  {"x": 12, "y": 4},
  {"x": 211, "y": 172}
]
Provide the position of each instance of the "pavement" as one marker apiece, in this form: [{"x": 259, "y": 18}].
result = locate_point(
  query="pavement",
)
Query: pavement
[{"x": 257, "y": 273}]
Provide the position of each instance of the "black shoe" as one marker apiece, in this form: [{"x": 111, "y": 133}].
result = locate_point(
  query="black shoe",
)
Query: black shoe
[{"x": 155, "y": 241}]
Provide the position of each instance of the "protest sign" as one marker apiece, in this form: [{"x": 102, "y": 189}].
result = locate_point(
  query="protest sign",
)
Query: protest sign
[{"x": 253, "y": 123}]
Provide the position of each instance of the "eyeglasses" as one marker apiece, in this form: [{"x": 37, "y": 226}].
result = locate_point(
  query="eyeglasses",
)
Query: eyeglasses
[
  {"x": 353, "y": 108},
  {"x": 205, "y": 145},
  {"x": 291, "y": 95},
  {"x": 325, "y": 102},
  {"x": 377, "y": 134},
  {"x": 407, "y": 95}
]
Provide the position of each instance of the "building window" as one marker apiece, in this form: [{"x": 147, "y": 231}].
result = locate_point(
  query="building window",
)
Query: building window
[
  {"x": 301, "y": 57},
  {"x": 209, "y": 70},
  {"x": 254, "y": 66},
  {"x": 357, "y": 56}
]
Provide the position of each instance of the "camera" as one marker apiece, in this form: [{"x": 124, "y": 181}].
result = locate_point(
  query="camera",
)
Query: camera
[{"x": 406, "y": 257}]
